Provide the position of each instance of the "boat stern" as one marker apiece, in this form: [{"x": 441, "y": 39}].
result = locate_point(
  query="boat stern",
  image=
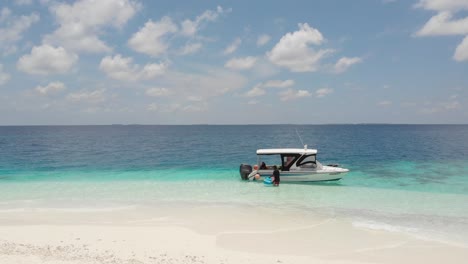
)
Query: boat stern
[{"x": 244, "y": 171}]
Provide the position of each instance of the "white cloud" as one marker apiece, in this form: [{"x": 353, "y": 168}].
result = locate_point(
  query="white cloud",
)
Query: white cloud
[
  {"x": 443, "y": 25},
  {"x": 441, "y": 5},
  {"x": 151, "y": 38},
  {"x": 152, "y": 70},
  {"x": 292, "y": 94},
  {"x": 14, "y": 28},
  {"x": 191, "y": 27},
  {"x": 177, "y": 107},
  {"x": 323, "y": 92},
  {"x": 344, "y": 63},
  {"x": 92, "y": 97},
  {"x": 384, "y": 103},
  {"x": 259, "y": 89},
  {"x": 46, "y": 59},
  {"x": 4, "y": 77},
  {"x": 82, "y": 22},
  {"x": 241, "y": 63},
  {"x": 233, "y": 46},
  {"x": 256, "y": 91},
  {"x": 121, "y": 68},
  {"x": 461, "y": 53},
  {"x": 279, "y": 83},
  {"x": 157, "y": 92},
  {"x": 190, "y": 48},
  {"x": 263, "y": 39},
  {"x": 293, "y": 50},
  {"x": 51, "y": 88}
]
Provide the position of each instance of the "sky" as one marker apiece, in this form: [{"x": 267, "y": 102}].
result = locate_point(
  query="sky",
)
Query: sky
[{"x": 104, "y": 62}]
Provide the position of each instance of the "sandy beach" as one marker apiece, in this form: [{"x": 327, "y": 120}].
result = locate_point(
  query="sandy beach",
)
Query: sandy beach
[{"x": 198, "y": 233}]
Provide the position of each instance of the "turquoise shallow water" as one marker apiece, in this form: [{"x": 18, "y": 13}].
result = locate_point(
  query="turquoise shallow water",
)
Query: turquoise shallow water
[{"x": 402, "y": 177}]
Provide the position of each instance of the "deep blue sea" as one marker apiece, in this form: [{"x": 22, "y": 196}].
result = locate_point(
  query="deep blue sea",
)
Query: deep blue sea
[{"x": 405, "y": 177}]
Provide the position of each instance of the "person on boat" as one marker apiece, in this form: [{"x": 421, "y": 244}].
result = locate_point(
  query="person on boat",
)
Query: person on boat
[
  {"x": 263, "y": 166},
  {"x": 276, "y": 176}
]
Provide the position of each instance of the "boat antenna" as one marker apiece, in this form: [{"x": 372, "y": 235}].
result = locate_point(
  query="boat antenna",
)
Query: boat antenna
[{"x": 297, "y": 133}]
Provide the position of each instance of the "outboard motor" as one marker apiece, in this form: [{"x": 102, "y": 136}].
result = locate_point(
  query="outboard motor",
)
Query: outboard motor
[{"x": 244, "y": 171}]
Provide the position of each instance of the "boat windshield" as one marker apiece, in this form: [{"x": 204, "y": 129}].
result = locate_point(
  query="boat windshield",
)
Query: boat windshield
[{"x": 307, "y": 161}]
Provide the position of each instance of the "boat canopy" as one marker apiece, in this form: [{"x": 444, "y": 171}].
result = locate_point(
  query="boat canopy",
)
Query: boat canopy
[{"x": 300, "y": 151}]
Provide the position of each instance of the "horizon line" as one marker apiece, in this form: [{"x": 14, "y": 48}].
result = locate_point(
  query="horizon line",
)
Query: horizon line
[{"x": 204, "y": 124}]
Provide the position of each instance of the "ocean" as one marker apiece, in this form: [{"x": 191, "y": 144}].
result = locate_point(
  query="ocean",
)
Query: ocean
[{"x": 403, "y": 178}]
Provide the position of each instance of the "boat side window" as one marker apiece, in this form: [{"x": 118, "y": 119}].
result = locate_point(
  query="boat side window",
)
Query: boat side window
[
  {"x": 307, "y": 161},
  {"x": 288, "y": 161}
]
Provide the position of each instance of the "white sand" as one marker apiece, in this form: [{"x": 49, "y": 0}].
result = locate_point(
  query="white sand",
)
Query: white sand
[{"x": 204, "y": 234}]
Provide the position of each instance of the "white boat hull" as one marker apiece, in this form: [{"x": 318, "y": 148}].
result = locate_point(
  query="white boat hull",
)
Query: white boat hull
[{"x": 327, "y": 173}]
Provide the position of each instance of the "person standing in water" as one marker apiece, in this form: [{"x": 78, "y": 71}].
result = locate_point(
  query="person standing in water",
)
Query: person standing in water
[{"x": 276, "y": 176}]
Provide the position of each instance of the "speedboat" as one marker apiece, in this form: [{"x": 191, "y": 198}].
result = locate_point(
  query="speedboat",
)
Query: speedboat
[{"x": 294, "y": 164}]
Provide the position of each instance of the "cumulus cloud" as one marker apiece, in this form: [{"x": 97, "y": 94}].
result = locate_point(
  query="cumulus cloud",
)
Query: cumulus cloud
[
  {"x": 259, "y": 89},
  {"x": 279, "y": 83},
  {"x": 190, "y": 48},
  {"x": 255, "y": 91},
  {"x": 323, "y": 92},
  {"x": 154, "y": 37},
  {"x": 157, "y": 92},
  {"x": 123, "y": 68},
  {"x": 232, "y": 47},
  {"x": 178, "y": 107},
  {"x": 444, "y": 24},
  {"x": 81, "y": 22},
  {"x": 241, "y": 63},
  {"x": 441, "y": 5},
  {"x": 293, "y": 51},
  {"x": 461, "y": 53},
  {"x": 191, "y": 27},
  {"x": 51, "y": 88},
  {"x": 344, "y": 63},
  {"x": 151, "y": 38},
  {"x": 46, "y": 59},
  {"x": 4, "y": 77},
  {"x": 292, "y": 94},
  {"x": 86, "y": 96},
  {"x": 263, "y": 39},
  {"x": 12, "y": 28}
]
